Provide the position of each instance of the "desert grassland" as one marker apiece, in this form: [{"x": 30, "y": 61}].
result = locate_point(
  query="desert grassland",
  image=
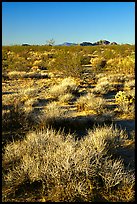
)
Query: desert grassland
[{"x": 68, "y": 123}]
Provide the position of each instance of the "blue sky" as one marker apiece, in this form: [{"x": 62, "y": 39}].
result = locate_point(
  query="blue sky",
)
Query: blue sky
[{"x": 37, "y": 22}]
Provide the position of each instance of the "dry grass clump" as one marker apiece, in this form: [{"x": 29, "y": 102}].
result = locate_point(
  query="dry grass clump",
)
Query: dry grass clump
[
  {"x": 119, "y": 184},
  {"x": 28, "y": 93},
  {"x": 103, "y": 87},
  {"x": 118, "y": 78},
  {"x": 14, "y": 120},
  {"x": 113, "y": 82},
  {"x": 68, "y": 170},
  {"x": 68, "y": 85},
  {"x": 44, "y": 156},
  {"x": 112, "y": 78},
  {"x": 54, "y": 110},
  {"x": 36, "y": 74},
  {"x": 29, "y": 105},
  {"x": 90, "y": 102},
  {"x": 16, "y": 74},
  {"x": 66, "y": 98},
  {"x": 52, "y": 115},
  {"x": 106, "y": 139},
  {"x": 128, "y": 85}
]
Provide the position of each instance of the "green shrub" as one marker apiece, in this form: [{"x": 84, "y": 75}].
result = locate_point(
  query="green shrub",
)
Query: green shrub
[
  {"x": 85, "y": 60},
  {"x": 68, "y": 63}
]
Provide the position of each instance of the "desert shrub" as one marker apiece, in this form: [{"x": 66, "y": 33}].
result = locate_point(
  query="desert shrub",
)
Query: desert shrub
[
  {"x": 129, "y": 84},
  {"x": 5, "y": 76},
  {"x": 107, "y": 139},
  {"x": 29, "y": 104},
  {"x": 109, "y": 53},
  {"x": 5, "y": 63},
  {"x": 36, "y": 75},
  {"x": 85, "y": 60},
  {"x": 126, "y": 97},
  {"x": 67, "y": 169},
  {"x": 126, "y": 102},
  {"x": 28, "y": 93},
  {"x": 16, "y": 63},
  {"x": 99, "y": 63},
  {"x": 69, "y": 63},
  {"x": 103, "y": 87},
  {"x": 102, "y": 79},
  {"x": 16, "y": 74},
  {"x": 66, "y": 98},
  {"x": 124, "y": 65},
  {"x": 118, "y": 184},
  {"x": 14, "y": 119},
  {"x": 110, "y": 82},
  {"x": 20, "y": 64},
  {"x": 51, "y": 116},
  {"x": 51, "y": 169},
  {"x": 116, "y": 78},
  {"x": 68, "y": 85},
  {"x": 53, "y": 110},
  {"x": 90, "y": 102}
]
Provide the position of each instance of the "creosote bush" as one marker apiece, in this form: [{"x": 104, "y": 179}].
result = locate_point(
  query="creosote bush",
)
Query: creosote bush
[
  {"x": 69, "y": 63},
  {"x": 70, "y": 170}
]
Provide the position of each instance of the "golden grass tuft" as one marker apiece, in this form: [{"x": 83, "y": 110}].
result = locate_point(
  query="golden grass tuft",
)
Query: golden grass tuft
[
  {"x": 90, "y": 102},
  {"x": 68, "y": 85}
]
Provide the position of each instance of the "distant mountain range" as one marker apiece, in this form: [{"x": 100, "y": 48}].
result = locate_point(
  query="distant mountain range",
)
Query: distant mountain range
[
  {"x": 67, "y": 44},
  {"x": 100, "y": 42}
]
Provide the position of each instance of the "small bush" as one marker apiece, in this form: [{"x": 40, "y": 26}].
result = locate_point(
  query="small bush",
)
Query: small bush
[
  {"x": 103, "y": 87},
  {"x": 90, "y": 102},
  {"x": 68, "y": 170},
  {"x": 126, "y": 102},
  {"x": 106, "y": 139},
  {"x": 51, "y": 116},
  {"x": 68, "y": 85},
  {"x": 129, "y": 84},
  {"x": 98, "y": 63},
  {"x": 118, "y": 184},
  {"x": 66, "y": 98},
  {"x": 16, "y": 74},
  {"x": 85, "y": 60},
  {"x": 69, "y": 63},
  {"x": 123, "y": 65},
  {"x": 28, "y": 93},
  {"x": 14, "y": 119}
]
